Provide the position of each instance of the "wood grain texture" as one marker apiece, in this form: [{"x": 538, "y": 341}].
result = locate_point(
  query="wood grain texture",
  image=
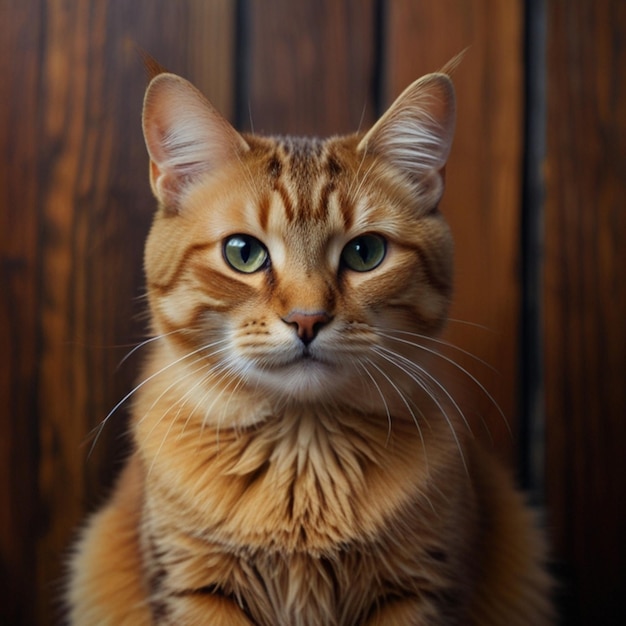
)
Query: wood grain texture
[
  {"x": 76, "y": 207},
  {"x": 310, "y": 66},
  {"x": 482, "y": 201},
  {"x": 20, "y": 28},
  {"x": 212, "y": 50},
  {"x": 585, "y": 305}
]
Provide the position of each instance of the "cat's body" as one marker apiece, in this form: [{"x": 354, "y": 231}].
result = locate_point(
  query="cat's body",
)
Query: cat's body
[{"x": 295, "y": 463}]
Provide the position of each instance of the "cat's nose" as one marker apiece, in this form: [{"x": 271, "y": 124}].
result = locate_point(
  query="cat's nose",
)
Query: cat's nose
[{"x": 307, "y": 324}]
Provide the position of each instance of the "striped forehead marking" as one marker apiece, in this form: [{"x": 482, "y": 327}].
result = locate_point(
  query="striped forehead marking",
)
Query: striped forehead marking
[{"x": 304, "y": 173}]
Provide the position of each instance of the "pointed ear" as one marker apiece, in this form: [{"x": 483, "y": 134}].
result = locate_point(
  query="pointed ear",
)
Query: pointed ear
[
  {"x": 415, "y": 134},
  {"x": 185, "y": 136}
]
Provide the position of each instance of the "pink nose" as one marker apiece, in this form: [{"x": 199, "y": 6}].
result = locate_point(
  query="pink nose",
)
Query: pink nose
[{"x": 307, "y": 324}]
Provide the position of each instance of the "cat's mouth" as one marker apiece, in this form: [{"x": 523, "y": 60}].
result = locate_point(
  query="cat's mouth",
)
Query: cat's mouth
[
  {"x": 307, "y": 356},
  {"x": 305, "y": 377},
  {"x": 306, "y": 360}
]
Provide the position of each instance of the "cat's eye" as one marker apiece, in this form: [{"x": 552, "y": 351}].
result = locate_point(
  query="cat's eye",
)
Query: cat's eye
[
  {"x": 245, "y": 253},
  {"x": 364, "y": 253}
]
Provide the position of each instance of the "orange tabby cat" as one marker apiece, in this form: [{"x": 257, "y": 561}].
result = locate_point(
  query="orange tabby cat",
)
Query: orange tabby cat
[{"x": 295, "y": 463}]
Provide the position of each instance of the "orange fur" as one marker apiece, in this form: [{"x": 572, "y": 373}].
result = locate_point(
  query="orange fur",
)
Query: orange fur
[{"x": 295, "y": 462}]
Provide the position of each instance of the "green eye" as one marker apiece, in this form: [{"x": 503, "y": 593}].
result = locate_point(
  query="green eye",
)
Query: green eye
[
  {"x": 364, "y": 253},
  {"x": 245, "y": 253}
]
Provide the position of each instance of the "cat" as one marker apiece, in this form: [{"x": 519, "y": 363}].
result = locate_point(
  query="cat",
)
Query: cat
[{"x": 295, "y": 462}]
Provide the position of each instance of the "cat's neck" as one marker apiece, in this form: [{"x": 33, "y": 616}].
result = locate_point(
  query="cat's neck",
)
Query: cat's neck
[{"x": 313, "y": 463}]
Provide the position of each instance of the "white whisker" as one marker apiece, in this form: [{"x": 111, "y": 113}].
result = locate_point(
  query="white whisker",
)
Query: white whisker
[
  {"x": 218, "y": 373},
  {"x": 227, "y": 371},
  {"x": 99, "y": 428},
  {"x": 438, "y": 341},
  {"x": 147, "y": 342},
  {"x": 388, "y": 354},
  {"x": 420, "y": 371},
  {"x": 175, "y": 383},
  {"x": 355, "y": 179},
  {"x": 357, "y": 191},
  {"x": 406, "y": 404},
  {"x": 382, "y": 397},
  {"x": 472, "y": 324},
  {"x": 452, "y": 362},
  {"x": 183, "y": 399}
]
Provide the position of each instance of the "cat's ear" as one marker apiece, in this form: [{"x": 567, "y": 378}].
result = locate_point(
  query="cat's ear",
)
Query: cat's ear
[
  {"x": 185, "y": 136},
  {"x": 415, "y": 134}
]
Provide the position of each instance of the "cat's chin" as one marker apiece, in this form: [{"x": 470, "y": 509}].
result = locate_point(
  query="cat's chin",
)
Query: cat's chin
[{"x": 305, "y": 379}]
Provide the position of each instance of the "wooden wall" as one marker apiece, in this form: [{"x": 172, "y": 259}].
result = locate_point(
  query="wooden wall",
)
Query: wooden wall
[
  {"x": 585, "y": 304},
  {"x": 75, "y": 207}
]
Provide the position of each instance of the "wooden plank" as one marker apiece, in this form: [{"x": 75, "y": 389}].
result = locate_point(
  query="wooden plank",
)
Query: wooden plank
[
  {"x": 482, "y": 199},
  {"x": 76, "y": 152},
  {"x": 310, "y": 66},
  {"x": 585, "y": 304},
  {"x": 20, "y": 28},
  {"x": 78, "y": 208},
  {"x": 211, "y": 52}
]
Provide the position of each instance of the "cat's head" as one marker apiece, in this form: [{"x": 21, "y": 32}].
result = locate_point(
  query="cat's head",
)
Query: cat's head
[{"x": 300, "y": 267}]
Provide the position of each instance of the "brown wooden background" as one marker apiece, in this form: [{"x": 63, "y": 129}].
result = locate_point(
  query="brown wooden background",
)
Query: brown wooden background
[{"x": 536, "y": 196}]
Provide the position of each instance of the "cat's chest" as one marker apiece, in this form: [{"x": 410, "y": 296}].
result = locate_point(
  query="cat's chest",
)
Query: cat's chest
[
  {"x": 273, "y": 582},
  {"x": 270, "y": 587},
  {"x": 287, "y": 520},
  {"x": 305, "y": 482}
]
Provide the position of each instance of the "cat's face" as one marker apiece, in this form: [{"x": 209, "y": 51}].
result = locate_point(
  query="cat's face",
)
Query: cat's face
[{"x": 298, "y": 267}]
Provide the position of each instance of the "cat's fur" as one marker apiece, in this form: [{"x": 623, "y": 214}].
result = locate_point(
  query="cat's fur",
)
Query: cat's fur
[{"x": 295, "y": 463}]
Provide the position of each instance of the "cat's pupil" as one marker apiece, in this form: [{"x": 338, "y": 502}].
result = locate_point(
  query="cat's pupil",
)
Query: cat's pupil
[
  {"x": 364, "y": 253},
  {"x": 244, "y": 251},
  {"x": 362, "y": 249}
]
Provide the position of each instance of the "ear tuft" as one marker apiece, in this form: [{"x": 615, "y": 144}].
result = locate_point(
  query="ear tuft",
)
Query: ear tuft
[
  {"x": 151, "y": 65},
  {"x": 415, "y": 134},
  {"x": 185, "y": 136}
]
